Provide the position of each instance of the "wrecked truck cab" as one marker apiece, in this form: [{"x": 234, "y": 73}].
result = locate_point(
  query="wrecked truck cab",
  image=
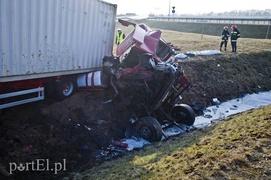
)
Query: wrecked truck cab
[
  {"x": 144, "y": 71},
  {"x": 142, "y": 40},
  {"x": 143, "y": 74}
]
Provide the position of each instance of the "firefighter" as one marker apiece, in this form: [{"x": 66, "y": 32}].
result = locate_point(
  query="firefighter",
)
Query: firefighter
[
  {"x": 235, "y": 34},
  {"x": 225, "y": 36},
  {"x": 119, "y": 37}
]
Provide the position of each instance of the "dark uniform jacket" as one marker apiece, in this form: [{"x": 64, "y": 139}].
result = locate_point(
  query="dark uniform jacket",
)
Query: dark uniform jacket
[
  {"x": 235, "y": 34},
  {"x": 225, "y": 35}
]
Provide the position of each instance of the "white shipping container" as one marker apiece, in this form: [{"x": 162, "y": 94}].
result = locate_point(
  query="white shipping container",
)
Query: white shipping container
[{"x": 42, "y": 38}]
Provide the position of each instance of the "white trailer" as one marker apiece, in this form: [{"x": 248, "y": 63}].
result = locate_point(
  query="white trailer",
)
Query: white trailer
[{"x": 45, "y": 41}]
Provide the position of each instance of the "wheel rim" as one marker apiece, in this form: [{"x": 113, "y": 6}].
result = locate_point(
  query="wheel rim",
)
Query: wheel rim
[
  {"x": 67, "y": 88},
  {"x": 179, "y": 115},
  {"x": 183, "y": 114},
  {"x": 145, "y": 132},
  {"x": 149, "y": 129}
]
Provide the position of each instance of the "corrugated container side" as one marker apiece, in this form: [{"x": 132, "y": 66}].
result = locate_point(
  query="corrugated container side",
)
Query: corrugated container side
[{"x": 40, "y": 38}]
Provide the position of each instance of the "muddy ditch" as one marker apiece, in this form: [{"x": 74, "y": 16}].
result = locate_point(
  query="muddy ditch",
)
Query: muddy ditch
[{"x": 77, "y": 128}]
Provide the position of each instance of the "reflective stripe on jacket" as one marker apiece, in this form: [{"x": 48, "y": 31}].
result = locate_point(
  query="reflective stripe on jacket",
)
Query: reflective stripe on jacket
[
  {"x": 235, "y": 34},
  {"x": 119, "y": 38}
]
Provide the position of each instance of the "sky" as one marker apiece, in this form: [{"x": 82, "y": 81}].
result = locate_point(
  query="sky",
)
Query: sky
[{"x": 157, "y": 7}]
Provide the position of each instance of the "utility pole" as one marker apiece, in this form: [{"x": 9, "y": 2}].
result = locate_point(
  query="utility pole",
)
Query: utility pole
[
  {"x": 169, "y": 8},
  {"x": 266, "y": 37}
]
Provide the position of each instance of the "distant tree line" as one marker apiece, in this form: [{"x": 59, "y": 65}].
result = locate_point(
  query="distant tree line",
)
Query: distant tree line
[{"x": 253, "y": 12}]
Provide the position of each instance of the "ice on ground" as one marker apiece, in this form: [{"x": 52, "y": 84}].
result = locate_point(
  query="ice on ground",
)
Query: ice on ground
[
  {"x": 133, "y": 144},
  {"x": 223, "y": 110}
]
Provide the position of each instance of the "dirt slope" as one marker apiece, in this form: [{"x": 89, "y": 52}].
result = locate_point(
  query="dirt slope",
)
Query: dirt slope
[
  {"x": 76, "y": 128},
  {"x": 227, "y": 77}
]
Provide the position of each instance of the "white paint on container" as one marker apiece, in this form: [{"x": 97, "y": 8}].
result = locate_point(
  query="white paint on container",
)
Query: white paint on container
[{"x": 40, "y": 38}]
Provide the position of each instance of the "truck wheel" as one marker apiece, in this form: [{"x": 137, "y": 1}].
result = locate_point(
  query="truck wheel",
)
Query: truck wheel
[
  {"x": 66, "y": 87},
  {"x": 149, "y": 129},
  {"x": 183, "y": 114}
]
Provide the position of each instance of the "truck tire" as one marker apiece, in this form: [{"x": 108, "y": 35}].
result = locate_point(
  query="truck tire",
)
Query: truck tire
[
  {"x": 183, "y": 114},
  {"x": 50, "y": 89},
  {"x": 149, "y": 129},
  {"x": 65, "y": 87}
]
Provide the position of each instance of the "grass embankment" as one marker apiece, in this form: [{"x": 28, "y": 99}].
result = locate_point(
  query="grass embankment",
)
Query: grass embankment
[
  {"x": 227, "y": 77},
  {"x": 198, "y": 42},
  {"x": 224, "y": 76},
  {"x": 214, "y": 29},
  {"x": 237, "y": 148}
]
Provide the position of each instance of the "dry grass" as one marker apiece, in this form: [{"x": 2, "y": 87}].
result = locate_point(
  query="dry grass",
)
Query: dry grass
[
  {"x": 237, "y": 148},
  {"x": 247, "y": 71},
  {"x": 198, "y": 42}
]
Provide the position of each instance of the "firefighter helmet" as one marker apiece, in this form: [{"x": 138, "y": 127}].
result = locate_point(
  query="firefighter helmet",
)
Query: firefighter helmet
[{"x": 233, "y": 26}]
